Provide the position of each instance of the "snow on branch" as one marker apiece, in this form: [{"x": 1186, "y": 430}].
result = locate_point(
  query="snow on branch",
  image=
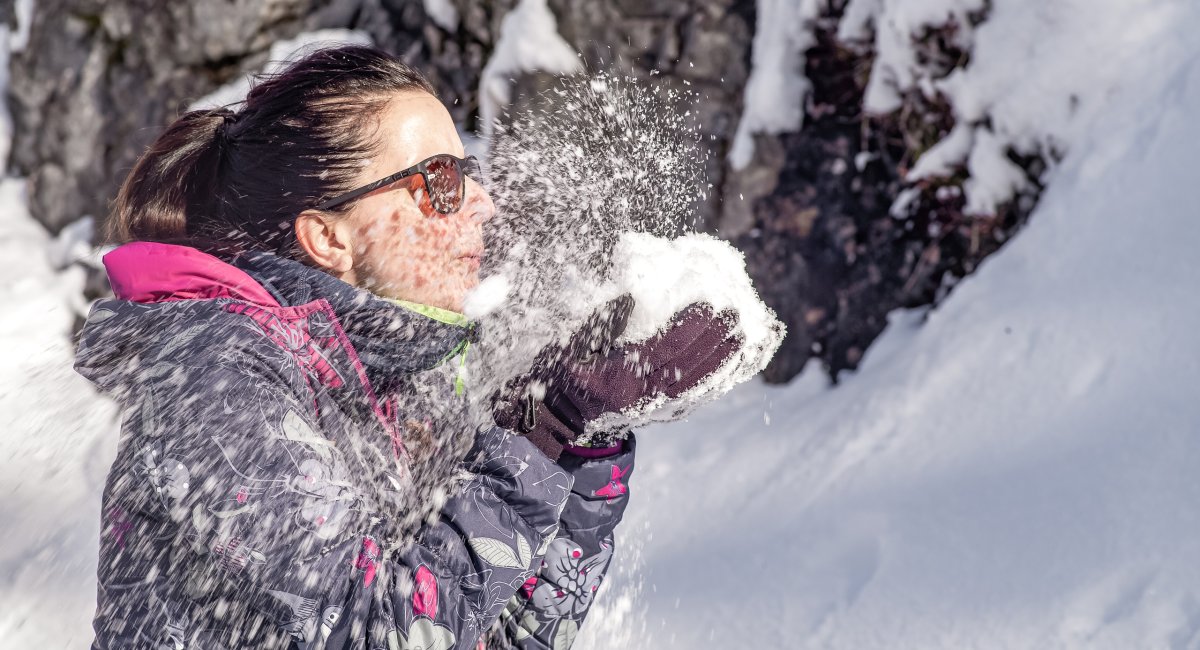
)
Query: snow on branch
[
  {"x": 529, "y": 41},
  {"x": 777, "y": 87}
]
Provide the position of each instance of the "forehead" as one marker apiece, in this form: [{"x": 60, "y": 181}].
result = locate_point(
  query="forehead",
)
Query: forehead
[{"x": 412, "y": 127}]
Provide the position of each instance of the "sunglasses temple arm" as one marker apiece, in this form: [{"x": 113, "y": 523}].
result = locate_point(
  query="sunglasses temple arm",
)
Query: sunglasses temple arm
[{"x": 365, "y": 189}]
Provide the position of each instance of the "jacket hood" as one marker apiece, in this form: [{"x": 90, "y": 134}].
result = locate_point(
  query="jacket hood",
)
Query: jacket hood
[
  {"x": 149, "y": 272},
  {"x": 161, "y": 291}
]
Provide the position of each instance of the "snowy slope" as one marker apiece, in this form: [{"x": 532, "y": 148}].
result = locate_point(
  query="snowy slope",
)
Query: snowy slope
[
  {"x": 56, "y": 445},
  {"x": 1020, "y": 471}
]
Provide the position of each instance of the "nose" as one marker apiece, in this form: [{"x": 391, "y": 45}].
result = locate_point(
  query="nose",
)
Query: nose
[{"x": 477, "y": 204}]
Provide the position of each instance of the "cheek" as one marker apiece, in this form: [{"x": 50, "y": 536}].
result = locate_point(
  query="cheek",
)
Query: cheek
[
  {"x": 413, "y": 252},
  {"x": 404, "y": 254},
  {"x": 379, "y": 233},
  {"x": 435, "y": 237}
]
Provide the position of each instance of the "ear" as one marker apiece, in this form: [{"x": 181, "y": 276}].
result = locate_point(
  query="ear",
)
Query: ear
[{"x": 326, "y": 239}]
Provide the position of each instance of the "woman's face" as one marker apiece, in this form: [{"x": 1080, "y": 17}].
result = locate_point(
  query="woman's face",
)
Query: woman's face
[{"x": 402, "y": 247}]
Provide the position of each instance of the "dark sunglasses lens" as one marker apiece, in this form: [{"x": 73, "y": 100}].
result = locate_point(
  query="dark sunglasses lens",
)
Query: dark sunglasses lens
[{"x": 445, "y": 181}]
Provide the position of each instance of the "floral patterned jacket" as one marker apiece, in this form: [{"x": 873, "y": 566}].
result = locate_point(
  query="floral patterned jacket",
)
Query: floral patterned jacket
[{"x": 268, "y": 490}]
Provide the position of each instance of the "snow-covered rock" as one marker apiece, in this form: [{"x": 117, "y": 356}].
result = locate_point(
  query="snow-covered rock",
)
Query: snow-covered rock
[
  {"x": 528, "y": 41},
  {"x": 280, "y": 55}
]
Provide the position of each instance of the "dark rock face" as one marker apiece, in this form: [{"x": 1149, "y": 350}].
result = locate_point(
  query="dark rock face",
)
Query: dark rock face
[
  {"x": 824, "y": 248},
  {"x": 452, "y": 59},
  {"x": 101, "y": 78}
]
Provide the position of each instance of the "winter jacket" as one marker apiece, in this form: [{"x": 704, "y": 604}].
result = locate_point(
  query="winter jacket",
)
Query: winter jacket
[{"x": 263, "y": 492}]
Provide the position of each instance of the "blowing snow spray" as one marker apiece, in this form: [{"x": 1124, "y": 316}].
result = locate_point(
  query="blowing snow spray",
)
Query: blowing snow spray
[{"x": 596, "y": 197}]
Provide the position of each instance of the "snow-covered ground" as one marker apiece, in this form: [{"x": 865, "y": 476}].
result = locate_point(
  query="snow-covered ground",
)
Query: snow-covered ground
[
  {"x": 56, "y": 445},
  {"x": 1014, "y": 470}
]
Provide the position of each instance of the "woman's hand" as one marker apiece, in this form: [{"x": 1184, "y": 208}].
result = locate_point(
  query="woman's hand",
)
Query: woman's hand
[{"x": 572, "y": 386}]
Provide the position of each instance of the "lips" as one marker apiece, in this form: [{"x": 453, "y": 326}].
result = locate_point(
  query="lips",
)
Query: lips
[{"x": 473, "y": 258}]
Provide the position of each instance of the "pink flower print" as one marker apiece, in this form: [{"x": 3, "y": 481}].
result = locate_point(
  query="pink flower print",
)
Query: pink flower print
[
  {"x": 367, "y": 559},
  {"x": 529, "y": 586},
  {"x": 615, "y": 487},
  {"x": 119, "y": 526},
  {"x": 425, "y": 593}
]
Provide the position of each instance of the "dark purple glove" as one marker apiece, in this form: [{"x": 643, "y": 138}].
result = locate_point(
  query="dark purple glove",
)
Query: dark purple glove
[{"x": 570, "y": 387}]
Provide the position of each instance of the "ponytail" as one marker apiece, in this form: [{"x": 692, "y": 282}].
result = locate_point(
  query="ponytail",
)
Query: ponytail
[
  {"x": 173, "y": 183},
  {"x": 301, "y": 136}
]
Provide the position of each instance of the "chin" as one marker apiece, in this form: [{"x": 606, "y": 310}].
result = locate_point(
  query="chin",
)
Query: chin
[
  {"x": 452, "y": 301},
  {"x": 450, "y": 294}
]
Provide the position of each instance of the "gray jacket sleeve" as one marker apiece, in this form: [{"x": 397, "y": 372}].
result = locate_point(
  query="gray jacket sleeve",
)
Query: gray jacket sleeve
[
  {"x": 231, "y": 521},
  {"x": 549, "y": 610}
]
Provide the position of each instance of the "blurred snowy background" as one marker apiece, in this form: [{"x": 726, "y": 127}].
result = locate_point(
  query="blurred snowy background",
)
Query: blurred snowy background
[{"x": 974, "y": 215}]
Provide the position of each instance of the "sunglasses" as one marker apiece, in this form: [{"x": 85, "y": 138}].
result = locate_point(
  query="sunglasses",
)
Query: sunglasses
[{"x": 445, "y": 179}]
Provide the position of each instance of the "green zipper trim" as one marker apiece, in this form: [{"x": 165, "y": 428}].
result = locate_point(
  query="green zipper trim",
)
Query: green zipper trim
[
  {"x": 450, "y": 318},
  {"x": 460, "y": 385},
  {"x": 436, "y": 313}
]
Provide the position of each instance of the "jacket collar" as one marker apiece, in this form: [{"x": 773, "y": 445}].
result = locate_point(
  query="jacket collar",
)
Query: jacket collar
[{"x": 392, "y": 338}]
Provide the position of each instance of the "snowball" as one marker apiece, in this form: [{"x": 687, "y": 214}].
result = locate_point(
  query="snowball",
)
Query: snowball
[{"x": 665, "y": 276}]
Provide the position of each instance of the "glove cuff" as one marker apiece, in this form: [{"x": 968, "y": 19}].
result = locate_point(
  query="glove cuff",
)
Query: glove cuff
[
  {"x": 545, "y": 431},
  {"x": 532, "y": 419}
]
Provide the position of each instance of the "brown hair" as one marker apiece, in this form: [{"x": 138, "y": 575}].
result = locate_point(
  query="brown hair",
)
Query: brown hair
[{"x": 241, "y": 177}]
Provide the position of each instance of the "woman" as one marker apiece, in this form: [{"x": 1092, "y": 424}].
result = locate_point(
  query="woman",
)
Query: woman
[{"x": 283, "y": 341}]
